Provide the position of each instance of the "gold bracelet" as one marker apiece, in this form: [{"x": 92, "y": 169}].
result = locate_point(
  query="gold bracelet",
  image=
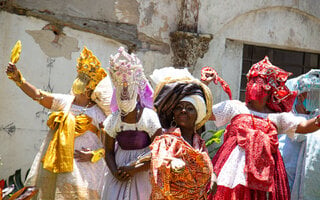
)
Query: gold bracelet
[
  {"x": 38, "y": 99},
  {"x": 21, "y": 81},
  {"x": 97, "y": 155}
]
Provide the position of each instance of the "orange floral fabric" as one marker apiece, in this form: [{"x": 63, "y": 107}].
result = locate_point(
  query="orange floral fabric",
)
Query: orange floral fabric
[{"x": 192, "y": 182}]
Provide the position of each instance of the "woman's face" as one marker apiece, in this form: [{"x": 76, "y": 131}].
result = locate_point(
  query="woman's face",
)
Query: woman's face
[
  {"x": 300, "y": 108},
  {"x": 185, "y": 114}
]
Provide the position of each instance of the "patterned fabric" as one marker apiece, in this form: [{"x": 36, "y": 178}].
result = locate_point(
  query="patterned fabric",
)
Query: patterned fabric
[
  {"x": 234, "y": 157},
  {"x": 264, "y": 170},
  {"x": 264, "y": 78},
  {"x": 258, "y": 137},
  {"x": 285, "y": 122},
  {"x": 192, "y": 181},
  {"x": 309, "y": 83},
  {"x": 223, "y": 83}
]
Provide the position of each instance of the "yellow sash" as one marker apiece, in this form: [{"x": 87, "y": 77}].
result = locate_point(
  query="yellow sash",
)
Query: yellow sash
[{"x": 59, "y": 155}]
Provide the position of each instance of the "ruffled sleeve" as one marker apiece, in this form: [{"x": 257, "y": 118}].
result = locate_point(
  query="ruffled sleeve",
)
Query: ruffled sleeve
[
  {"x": 111, "y": 123},
  {"x": 226, "y": 110},
  {"x": 151, "y": 121},
  {"x": 61, "y": 102},
  {"x": 286, "y": 122}
]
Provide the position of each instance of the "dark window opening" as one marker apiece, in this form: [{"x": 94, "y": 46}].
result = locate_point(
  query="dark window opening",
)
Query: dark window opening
[{"x": 292, "y": 61}]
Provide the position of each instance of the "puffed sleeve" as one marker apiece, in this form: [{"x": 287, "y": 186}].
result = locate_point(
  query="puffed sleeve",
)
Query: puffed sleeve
[
  {"x": 61, "y": 102},
  {"x": 152, "y": 121},
  {"x": 110, "y": 124},
  {"x": 226, "y": 110},
  {"x": 99, "y": 116},
  {"x": 286, "y": 122}
]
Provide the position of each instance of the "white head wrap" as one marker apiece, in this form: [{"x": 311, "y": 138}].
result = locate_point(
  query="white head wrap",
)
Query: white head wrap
[{"x": 199, "y": 104}]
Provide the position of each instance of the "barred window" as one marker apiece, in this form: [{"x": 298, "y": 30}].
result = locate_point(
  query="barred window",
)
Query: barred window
[{"x": 292, "y": 61}]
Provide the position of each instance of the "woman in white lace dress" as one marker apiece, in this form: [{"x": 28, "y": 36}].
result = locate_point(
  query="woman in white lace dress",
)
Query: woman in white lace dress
[
  {"x": 248, "y": 164},
  {"x": 130, "y": 129},
  {"x": 69, "y": 164},
  {"x": 301, "y": 154}
]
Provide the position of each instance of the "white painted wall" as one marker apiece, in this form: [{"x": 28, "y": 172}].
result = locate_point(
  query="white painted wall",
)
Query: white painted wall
[{"x": 18, "y": 149}]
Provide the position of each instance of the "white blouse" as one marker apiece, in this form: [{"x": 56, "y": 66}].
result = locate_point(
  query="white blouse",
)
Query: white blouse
[
  {"x": 148, "y": 122},
  {"x": 286, "y": 122}
]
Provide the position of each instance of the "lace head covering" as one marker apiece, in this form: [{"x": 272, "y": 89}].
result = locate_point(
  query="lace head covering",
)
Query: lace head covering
[
  {"x": 130, "y": 83},
  {"x": 309, "y": 83},
  {"x": 264, "y": 79}
]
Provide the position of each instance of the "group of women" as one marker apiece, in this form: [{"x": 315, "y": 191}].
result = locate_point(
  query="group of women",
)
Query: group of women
[{"x": 128, "y": 141}]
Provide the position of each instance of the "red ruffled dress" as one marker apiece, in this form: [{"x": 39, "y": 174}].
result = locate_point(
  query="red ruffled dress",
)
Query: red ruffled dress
[{"x": 248, "y": 165}]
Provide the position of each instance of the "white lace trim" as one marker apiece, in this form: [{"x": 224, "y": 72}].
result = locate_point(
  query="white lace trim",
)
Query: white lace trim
[{"x": 232, "y": 172}]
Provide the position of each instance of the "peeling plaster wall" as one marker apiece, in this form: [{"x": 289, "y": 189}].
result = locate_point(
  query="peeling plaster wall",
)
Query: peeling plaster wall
[
  {"x": 286, "y": 24},
  {"x": 46, "y": 71}
]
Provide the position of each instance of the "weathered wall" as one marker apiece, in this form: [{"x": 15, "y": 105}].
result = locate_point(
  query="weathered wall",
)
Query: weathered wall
[
  {"x": 47, "y": 65},
  {"x": 49, "y": 60},
  {"x": 286, "y": 24},
  {"x": 143, "y": 26}
]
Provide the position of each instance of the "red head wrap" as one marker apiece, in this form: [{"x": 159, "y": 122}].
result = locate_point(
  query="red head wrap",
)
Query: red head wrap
[{"x": 263, "y": 77}]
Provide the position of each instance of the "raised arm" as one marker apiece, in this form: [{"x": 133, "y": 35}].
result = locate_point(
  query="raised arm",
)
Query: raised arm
[
  {"x": 44, "y": 98},
  {"x": 309, "y": 126}
]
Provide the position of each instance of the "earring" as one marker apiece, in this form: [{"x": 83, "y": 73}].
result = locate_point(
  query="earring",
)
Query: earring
[{"x": 173, "y": 123}]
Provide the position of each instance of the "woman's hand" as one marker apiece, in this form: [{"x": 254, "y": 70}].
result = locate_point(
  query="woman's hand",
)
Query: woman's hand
[
  {"x": 121, "y": 174},
  {"x": 177, "y": 165},
  {"x": 83, "y": 156},
  {"x": 213, "y": 184},
  {"x": 13, "y": 73},
  {"x": 208, "y": 74},
  {"x": 131, "y": 170}
]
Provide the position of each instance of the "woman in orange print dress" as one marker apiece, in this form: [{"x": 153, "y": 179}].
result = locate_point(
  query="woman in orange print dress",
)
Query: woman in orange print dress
[{"x": 181, "y": 167}]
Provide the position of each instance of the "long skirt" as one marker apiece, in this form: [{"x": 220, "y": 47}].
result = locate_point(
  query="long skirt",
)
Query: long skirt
[
  {"x": 86, "y": 181},
  {"x": 229, "y": 164},
  {"x": 137, "y": 187}
]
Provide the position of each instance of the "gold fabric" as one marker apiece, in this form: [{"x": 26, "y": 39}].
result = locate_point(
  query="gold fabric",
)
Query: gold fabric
[
  {"x": 15, "y": 52},
  {"x": 97, "y": 155},
  {"x": 59, "y": 155}
]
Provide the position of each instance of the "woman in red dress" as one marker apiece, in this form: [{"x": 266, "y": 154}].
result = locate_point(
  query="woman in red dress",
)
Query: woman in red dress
[{"x": 248, "y": 164}]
